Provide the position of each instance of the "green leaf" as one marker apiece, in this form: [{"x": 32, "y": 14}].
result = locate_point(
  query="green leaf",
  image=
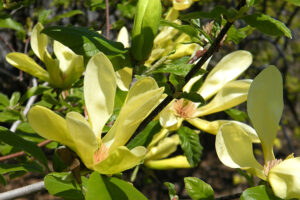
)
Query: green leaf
[
  {"x": 9, "y": 116},
  {"x": 34, "y": 91},
  {"x": 295, "y": 2},
  {"x": 144, "y": 138},
  {"x": 236, "y": 114},
  {"x": 4, "y": 100},
  {"x": 172, "y": 191},
  {"x": 110, "y": 188},
  {"x": 198, "y": 189},
  {"x": 64, "y": 15},
  {"x": 11, "y": 24},
  {"x": 63, "y": 185},
  {"x": 43, "y": 15},
  {"x": 18, "y": 142},
  {"x": 84, "y": 41},
  {"x": 192, "y": 96},
  {"x": 8, "y": 168},
  {"x": 190, "y": 144},
  {"x": 2, "y": 180},
  {"x": 257, "y": 193},
  {"x": 177, "y": 69},
  {"x": 14, "y": 99},
  {"x": 250, "y": 2},
  {"x": 237, "y": 35},
  {"x": 268, "y": 25}
]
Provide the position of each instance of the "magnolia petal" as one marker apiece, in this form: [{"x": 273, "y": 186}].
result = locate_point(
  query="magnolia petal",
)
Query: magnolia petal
[
  {"x": 284, "y": 179},
  {"x": 99, "y": 91},
  {"x": 189, "y": 85},
  {"x": 169, "y": 163},
  {"x": 39, "y": 42},
  {"x": 163, "y": 149},
  {"x": 265, "y": 106},
  {"x": 121, "y": 159},
  {"x": 167, "y": 117},
  {"x": 86, "y": 142},
  {"x": 55, "y": 74},
  {"x": 27, "y": 64},
  {"x": 232, "y": 94},
  {"x": 182, "y": 4},
  {"x": 234, "y": 149},
  {"x": 131, "y": 115},
  {"x": 158, "y": 137},
  {"x": 214, "y": 126},
  {"x": 124, "y": 78},
  {"x": 228, "y": 69},
  {"x": 74, "y": 72},
  {"x": 50, "y": 125},
  {"x": 123, "y": 37}
]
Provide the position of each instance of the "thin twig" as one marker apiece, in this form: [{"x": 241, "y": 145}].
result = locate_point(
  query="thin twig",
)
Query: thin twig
[
  {"x": 7, "y": 44},
  {"x": 215, "y": 46},
  {"x": 107, "y": 19},
  {"x": 23, "y": 191},
  {"x": 21, "y": 153}
]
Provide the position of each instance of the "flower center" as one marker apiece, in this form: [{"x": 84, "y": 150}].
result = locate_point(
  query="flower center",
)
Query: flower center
[
  {"x": 184, "y": 108},
  {"x": 100, "y": 154},
  {"x": 270, "y": 165}
]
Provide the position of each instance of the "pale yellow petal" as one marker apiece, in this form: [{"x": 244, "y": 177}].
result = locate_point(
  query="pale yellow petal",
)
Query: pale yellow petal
[
  {"x": 50, "y": 125},
  {"x": 99, "y": 91},
  {"x": 39, "y": 41},
  {"x": 158, "y": 137},
  {"x": 131, "y": 115},
  {"x": 121, "y": 159},
  {"x": 169, "y": 163},
  {"x": 27, "y": 64},
  {"x": 182, "y": 4},
  {"x": 86, "y": 142},
  {"x": 163, "y": 149},
  {"x": 167, "y": 117},
  {"x": 123, "y": 37},
  {"x": 234, "y": 149},
  {"x": 228, "y": 69},
  {"x": 284, "y": 179},
  {"x": 124, "y": 77},
  {"x": 265, "y": 106},
  {"x": 232, "y": 94}
]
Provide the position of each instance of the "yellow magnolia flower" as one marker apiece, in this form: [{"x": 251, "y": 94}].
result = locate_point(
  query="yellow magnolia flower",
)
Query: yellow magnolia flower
[
  {"x": 62, "y": 71},
  {"x": 228, "y": 93},
  {"x": 265, "y": 106},
  {"x": 108, "y": 154},
  {"x": 182, "y": 4},
  {"x": 219, "y": 83},
  {"x": 169, "y": 39}
]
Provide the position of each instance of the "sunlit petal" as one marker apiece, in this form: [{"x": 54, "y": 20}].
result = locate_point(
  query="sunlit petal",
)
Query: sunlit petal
[
  {"x": 169, "y": 163},
  {"x": 121, "y": 159},
  {"x": 27, "y": 64},
  {"x": 285, "y": 179},
  {"x": 232, "y": 94},
  {"x": 124, "y": 77},
  {"x": 182, "y": 4},
  {"x": 50, "y": 125},
  {"x": 163, "y": 149},
  {"x": 234, "y": 149},
  {"x": 86, "y": 142},
  {"x": 228, "y": 69},
  {"x": 123, "y": 37},
  {"x": 39, "y": 41},
  {"x": 265, "y": 106},
  {"x": 99, "y": 91}
]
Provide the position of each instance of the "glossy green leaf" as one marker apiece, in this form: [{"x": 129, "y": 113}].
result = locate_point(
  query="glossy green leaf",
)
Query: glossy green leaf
[
  {"x": 18, "y": 142},
  {"x": 192, "y": 96},
  {"x": 198, "y": 189},
  {"x": 9, "y": 168},
  {"x": 9, "y": 116},
  {"x": 11, "y": 24},
  {"x": 177, "y": 69},
  {"x": 15, "y": 97},
  {"x": 190, "y": 144},
  {"x": 64, "y": 15},
  {"x": 237, "y": 115},
  {"x": 237, "y": 35},
  {"x": 268, "y": 25},
  {"x": 62, "y": 185},
  {"x": 111, "y": 188},
  {"x": 257, "y": 193},
  {"x": 265, "y": 106},
  {"x": 4, "y": 100},
  {"x": 84, "y": 41},
  {"x": 145, "y": 137},
  {"x": 33, "y": 91}
]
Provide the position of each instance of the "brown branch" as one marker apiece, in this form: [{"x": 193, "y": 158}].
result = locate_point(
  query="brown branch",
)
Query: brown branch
[
  {"x": 7, "y": 44},
  {"x": 21, "y": 153},
  {"x": 107, "y": 18}
]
